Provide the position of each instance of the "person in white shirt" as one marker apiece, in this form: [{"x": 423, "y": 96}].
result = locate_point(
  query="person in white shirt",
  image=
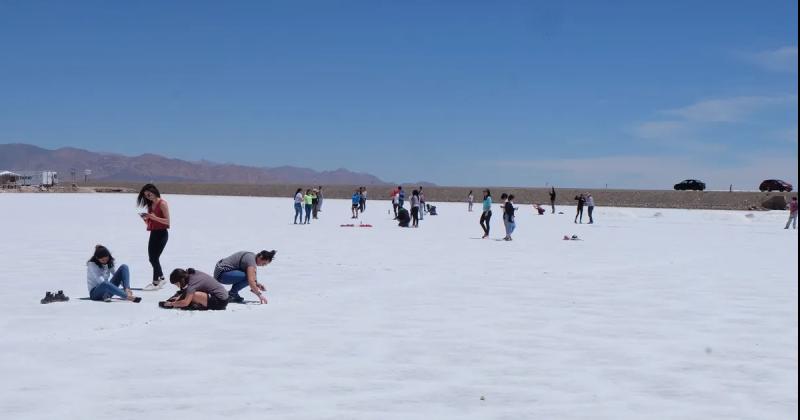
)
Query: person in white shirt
[
  {"x": 103, "y": 279},
  {"x": 590, "y": 206},
  {"x": 298, "y": 205}
]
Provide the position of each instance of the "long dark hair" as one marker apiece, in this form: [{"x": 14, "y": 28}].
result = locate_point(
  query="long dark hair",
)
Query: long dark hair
[
  {"x": 267, "y": 255},
  {"x": 486, "y": 194},
  {"x": 299, "y": 190},
  {"x": 100, "y": 252},
  {"x": 142, "y": 201},
  {"x": 180, "y": 276}
]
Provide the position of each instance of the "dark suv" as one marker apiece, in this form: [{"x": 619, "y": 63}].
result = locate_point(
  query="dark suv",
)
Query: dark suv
[
  {"x": 690, "y": 184},
  {"x": 775, "y": 185}
]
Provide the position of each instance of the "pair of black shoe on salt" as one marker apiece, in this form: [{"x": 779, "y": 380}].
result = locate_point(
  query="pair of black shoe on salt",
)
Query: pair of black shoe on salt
[{"x": 51, "y": 297}]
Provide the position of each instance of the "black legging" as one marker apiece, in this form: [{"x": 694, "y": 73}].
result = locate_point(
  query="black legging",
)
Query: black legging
[
  {"x": 158, "y": 240},
  {"x": 485, "y": 218},
  {"x": 414, "y": 216},
  {"x": 579, "y": 214}
]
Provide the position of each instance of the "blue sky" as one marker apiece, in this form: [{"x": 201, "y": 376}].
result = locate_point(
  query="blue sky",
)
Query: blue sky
[{"x": 519, "y": 93}]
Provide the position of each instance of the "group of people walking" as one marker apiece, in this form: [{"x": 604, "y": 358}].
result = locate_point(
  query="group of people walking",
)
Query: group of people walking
[
  {"x": 197, "y": 290},
  {"x": 311, "y": 201}
]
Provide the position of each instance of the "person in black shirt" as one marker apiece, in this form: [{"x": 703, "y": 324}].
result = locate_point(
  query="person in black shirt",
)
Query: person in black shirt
[
  {"x": 581, "y": 201},
  {"x": 403, "y": 218},
  {"x": 508, "y": 217},
  {"x": 553, "y": 199}
]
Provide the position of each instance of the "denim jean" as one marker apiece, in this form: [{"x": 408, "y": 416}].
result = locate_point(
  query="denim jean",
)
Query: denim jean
[
  {"x": 298, "y": 212},
  {"x": 308, "y": 213},
  {"x": 510, "y": 226},
  {"x": 792, "y": 220},
  {"x": 111, "y": 288},
  {"x": 236, "y": 278}
]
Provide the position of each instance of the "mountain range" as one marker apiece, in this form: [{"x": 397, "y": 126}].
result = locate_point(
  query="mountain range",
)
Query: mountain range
[{"x": 150, "y": 167}]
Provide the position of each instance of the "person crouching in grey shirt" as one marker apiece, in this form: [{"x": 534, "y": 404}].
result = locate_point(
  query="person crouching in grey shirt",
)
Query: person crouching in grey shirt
[{"x": 239, "y": 270}]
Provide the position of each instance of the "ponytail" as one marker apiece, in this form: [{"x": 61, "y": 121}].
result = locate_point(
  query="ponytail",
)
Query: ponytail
[
  {"x": 180, "y": 276},
  {"x": 267, "y": 255}
]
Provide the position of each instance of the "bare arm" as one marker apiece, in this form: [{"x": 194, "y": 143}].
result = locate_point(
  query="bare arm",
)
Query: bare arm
[
  {"x": 181, "y": 303},
  {"x": 255, "y": 287},
  {"x": 164, "y": 209}
]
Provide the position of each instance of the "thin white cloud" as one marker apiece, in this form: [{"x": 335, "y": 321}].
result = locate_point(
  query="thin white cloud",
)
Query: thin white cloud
[
  {"x": 783, "y": 59},
  {"x": 656, "y": 130},
  {"x": 688, "y": 127},
  {"x": 729, "y": 110}
]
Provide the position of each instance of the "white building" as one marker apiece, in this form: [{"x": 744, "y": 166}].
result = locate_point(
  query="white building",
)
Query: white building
[{"x": 40, "y": 178}]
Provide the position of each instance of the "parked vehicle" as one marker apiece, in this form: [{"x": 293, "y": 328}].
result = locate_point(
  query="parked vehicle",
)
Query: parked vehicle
[
  {"x": 690, "y": 184},
  {"x": 775, "y": 185}
]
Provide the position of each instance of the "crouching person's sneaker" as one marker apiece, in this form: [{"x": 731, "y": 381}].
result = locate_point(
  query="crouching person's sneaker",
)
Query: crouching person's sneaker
[
  {"x": 60, "y": 297},
  {"x": 156, "y": 285},
  {"x": 235, "y": 298},
  {"x": 48, "y": 298}
]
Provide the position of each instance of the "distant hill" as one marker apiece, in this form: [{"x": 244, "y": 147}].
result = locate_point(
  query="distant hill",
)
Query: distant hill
[{"x": 150, "y": 167}]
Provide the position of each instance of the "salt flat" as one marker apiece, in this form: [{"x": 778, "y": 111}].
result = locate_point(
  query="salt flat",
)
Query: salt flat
[{"x": 663, "y": 314}]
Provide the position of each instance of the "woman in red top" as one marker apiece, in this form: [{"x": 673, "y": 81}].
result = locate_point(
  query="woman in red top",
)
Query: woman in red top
[{"x": 157, "y": 221}]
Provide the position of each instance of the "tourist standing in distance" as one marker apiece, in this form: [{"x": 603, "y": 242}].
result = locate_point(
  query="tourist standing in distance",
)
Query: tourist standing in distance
[
  {"x": 553, "y": 199},
  {"x": 314, "y": 203},
  {"x": 486, "y": 214},
  {"x": 356, "y": 203},
  {"x": 508, "y": 217},
  {"x": 792, "y": 214},
  {"x": 319, "y": 198},
  {"x": 401, "y": 196},
  {"x": 421, "y": 204},
  {"x": 362, "y": 204},
  {"x": 579, "y": 212},
  {"x": 415, "y": 208},
  {"x": 298, "y": 205},
  {"x": 157, "y": 220},
  {"x": 470, "y": 200},
  {"x": 503, "y": 201},
  {"x": 395, "y": 201},
  {"x": 308, "y": 199},
  {"x": 590, "y": 206}
]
